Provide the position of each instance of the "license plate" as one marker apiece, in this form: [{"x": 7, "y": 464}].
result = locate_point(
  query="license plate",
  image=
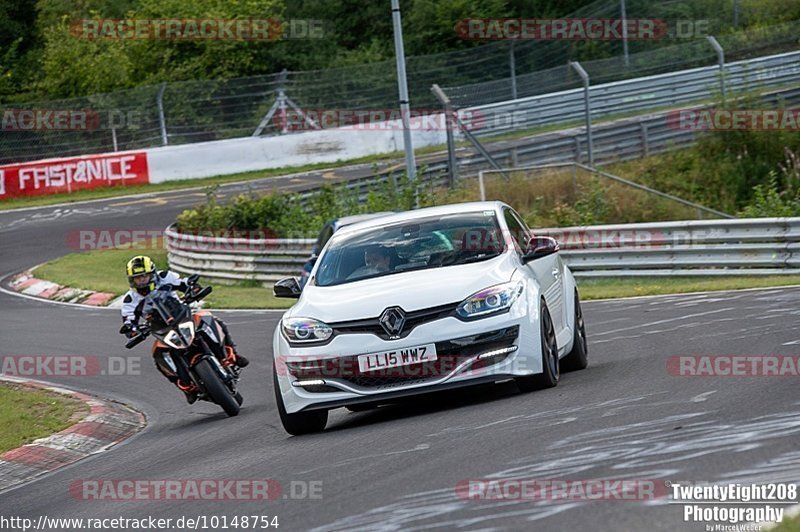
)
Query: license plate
[{"x": 397, "y": 358}]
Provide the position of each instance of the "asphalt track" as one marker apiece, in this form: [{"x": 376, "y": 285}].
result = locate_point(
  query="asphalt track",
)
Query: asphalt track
[{"x": 397, "y": 467}]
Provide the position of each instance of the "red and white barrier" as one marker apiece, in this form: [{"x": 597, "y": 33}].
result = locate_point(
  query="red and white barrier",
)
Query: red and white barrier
[
  {"x": 206, "y": 159},
  {"x": 53, "y": 176}
]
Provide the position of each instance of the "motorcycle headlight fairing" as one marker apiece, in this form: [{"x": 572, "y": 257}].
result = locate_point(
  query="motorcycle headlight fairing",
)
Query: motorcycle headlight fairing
[{"x": 182, "y": 338}]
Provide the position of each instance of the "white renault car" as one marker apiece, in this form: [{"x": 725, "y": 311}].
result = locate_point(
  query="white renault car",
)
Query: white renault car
[{"x": 421, "y": 301}]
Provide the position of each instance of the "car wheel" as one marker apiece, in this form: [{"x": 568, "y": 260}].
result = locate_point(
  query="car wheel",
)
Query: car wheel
[
  {"x": 578, "y": 357},
  {"x": 550, "y": 367},
  {"x": 301, "y": 422}
]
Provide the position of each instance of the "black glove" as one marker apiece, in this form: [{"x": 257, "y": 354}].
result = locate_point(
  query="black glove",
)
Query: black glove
[{"x": 128, "y": 329}]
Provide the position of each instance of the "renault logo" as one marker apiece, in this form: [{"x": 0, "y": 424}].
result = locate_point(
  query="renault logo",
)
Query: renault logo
[{"x": 393, "y": 320}]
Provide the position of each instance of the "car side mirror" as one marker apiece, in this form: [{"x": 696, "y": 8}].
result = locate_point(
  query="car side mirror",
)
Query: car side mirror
[
  {"x": 538, "y": 247},
  {"x": 288, "y": 287}
]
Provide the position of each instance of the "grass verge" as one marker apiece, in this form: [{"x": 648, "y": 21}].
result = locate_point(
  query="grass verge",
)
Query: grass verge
[
  {"x": 104, "y": 271},
  {"x": 27, "y": 414},
  {"x": 606, "y": 288},
  {"x": 791, "y": 524}
]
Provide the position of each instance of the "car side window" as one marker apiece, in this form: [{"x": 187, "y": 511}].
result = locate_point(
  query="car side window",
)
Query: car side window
[
  {"x": 519, "y": 234},
  {"x": 324, "y": 236}
]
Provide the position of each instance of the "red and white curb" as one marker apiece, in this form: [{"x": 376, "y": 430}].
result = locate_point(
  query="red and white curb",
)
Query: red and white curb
[
  {"x": 26, "y": 283},
  {"x": 108, "y": 424}
]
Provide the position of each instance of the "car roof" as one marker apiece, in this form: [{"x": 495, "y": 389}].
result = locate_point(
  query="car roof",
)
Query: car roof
[
  {"x": 441, "y": 210},
  {"x": 356, "y": 218}
]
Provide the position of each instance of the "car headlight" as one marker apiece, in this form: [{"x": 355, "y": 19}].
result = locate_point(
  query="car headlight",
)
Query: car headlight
[
  {"x": 489, "y": 301},
  {"x": 305, "y": 330},
  {"x": 182, "y": 338}
]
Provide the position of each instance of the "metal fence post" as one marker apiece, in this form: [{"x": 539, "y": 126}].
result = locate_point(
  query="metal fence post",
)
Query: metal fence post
[
  {"x": 512, "y": 62},
  {"x": 449, "y": 124},
  {"x": 721, "y": 62},
  {"x": 402, "y": 86},
  {"x": 645, "y": 139},
  {"x": 162, "y": 121},
  {"x": 588, "y": 108},
  {"x": 624, "y": 32},
  {"x": 282, "y": 112}
]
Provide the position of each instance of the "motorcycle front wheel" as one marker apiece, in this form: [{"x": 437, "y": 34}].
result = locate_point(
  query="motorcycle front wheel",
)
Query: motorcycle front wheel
[{"x": 215, "y": 388}]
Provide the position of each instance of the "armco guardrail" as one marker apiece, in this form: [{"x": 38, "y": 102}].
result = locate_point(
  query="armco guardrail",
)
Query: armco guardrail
[
  {"x": 236, "y": 259},
  {"x": 640, "y": 94},
  {"x": 755, "y": 246},
  {"x": 620, "y": 140}
]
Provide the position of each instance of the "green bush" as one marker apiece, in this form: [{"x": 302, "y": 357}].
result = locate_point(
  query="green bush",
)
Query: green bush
[
  {"x": 284, "y": 215},
  {"x": 592, "y": 207},
  {"x": 769, "y": 201}
]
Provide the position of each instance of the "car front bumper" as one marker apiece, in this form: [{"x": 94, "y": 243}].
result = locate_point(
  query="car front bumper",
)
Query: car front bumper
[{"x": 469, "y": 352}]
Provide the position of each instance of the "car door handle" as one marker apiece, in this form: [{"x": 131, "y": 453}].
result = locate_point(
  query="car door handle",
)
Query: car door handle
[{"x": 556, "y": 273}]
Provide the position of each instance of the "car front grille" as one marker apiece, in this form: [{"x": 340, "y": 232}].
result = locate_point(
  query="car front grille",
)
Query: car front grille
[
  {"x": 450, "y": 354},
  {"x": 413, "y": 319}
]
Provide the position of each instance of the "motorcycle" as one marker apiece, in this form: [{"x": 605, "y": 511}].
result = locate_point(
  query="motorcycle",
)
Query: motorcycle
[{"x": 193, "y": 344}]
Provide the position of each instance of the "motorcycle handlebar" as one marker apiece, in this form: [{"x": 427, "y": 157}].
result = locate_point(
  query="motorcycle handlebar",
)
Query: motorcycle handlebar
[
  {"x": 203, "y": 293},
  {"x": 136, "y": 340},
  {"x": 191, "y": 298},
  {"x": 144, "y": 332}
]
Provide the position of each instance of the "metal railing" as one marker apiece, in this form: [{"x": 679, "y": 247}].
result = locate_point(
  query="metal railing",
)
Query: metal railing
[
  {"x": 619, "y": 140},
  {"x": 755, "y": 246},
  {"x": 236, "y": 259},
  {"x": 634, "y": 95}
]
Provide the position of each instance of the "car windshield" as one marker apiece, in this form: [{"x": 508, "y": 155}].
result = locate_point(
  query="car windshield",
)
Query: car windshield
[{"x": 419, "y": 244}]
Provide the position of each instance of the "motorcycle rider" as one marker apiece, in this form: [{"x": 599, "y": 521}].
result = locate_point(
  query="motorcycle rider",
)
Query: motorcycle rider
[{"x": 144, "y": 278}]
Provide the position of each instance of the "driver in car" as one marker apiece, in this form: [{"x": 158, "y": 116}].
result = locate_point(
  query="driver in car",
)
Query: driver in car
[
  {"x": 377, "y": 259},
  {"x": 144, "y": 278}
]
